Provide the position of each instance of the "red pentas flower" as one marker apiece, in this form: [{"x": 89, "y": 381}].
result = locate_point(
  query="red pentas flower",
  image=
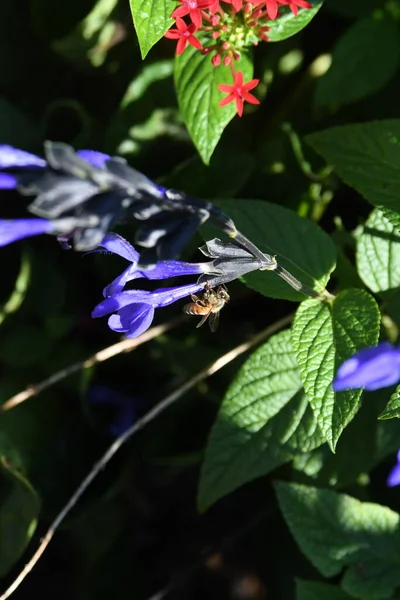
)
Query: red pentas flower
[
  {"x": 295, "y": 4},
  {"x": 193, "y": 8},
  {"x": 184, "y": 35},
  {"x": 239, "y": 92}
]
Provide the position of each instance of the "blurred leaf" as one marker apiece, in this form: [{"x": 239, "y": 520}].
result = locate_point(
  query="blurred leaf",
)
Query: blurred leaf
[
  {"x": 366, "y": 156},
  {"x": 355, "y": 8},
  {"x": 392, "y": 409},
  {"x": 20, "y": 289},
  {"x": 93, "y": 37},
  {"x": 19, "y": 509},
  {"x": 16, "y": 128},
  {"x": 299, "y": 244},
  {"x": 336, "y": 531},
  {"x": 51, "y": 22},
  {"x": 312, "y": 590},
  {"x": 263, "y": 421},
  {"x": 151, "y": 19},
  {"x": 149, "y": 74},
  {"x": 324, "y": 336},
  {"x": 364, "y": 59},
  {"x": 32, "y": 339},
  {"x": 196, "y": 81},
  {"x": 378, "y": 254},
  {"x": 288, "y": 24}
]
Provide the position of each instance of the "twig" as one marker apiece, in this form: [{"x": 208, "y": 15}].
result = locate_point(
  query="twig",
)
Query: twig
[
  {"x": 116, "y": 445},
  {"x": 127, "y": 345}
]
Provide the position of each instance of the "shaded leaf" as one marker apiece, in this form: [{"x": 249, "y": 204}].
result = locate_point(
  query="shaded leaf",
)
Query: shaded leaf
[
  {"x": 312, "y": 590},
  {"x": 336, "y": 531},
  {"x": 323, "y": 337},
  {"x": 392, "y": 409},
  {"x": 366, "y": 156},
  {"x": 364, "y": 59},
  {"x": 19, "y": 509}
]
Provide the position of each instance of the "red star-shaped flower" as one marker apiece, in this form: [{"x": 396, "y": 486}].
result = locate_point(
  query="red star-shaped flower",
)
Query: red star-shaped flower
[
  {"x": 294, "y": 5},
  {"x": 184, "y": 35},
  {"x": 239, "y": 92},
  {"x": 193, "y": 8}
]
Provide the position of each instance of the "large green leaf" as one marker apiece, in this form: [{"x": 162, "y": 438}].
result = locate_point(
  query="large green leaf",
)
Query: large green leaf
[
  {"x": 196, "y": 83},
  {"x": 264, "y": 420},
  {"x": 392, "y": 409},
  {"x": 364, "y": 59},
  {"x": 312, "y": 590},
  {"x": 19, "y": 508},
  {"x": 366, "y": 156},
  {"x": 289, "y": 24},
  {"x": 299, "y": 244},
  {"x": 325, "y": 335},
  {"x": 378, "y": 253},
  {"x": 152, "y": 18},
  {"x": 338, "y": 532}
]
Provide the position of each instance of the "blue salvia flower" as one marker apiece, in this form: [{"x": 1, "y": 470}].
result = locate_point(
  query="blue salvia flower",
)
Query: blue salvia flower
[
  {"x": 394, "y": 475},
  {"x": 133, "y": 309},
  {"x": 371, "y": 368},
  {"x": 94, "y": 191}
]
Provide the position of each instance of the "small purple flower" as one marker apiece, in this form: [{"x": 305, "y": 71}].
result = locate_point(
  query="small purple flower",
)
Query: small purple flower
[
  {"x": 371, "y": 368},
  {"x": 394, "y": 475},
  {"x": 134, "y": 309}
]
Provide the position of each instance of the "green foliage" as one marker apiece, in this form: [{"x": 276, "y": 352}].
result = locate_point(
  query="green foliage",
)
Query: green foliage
[
  {"x": 363, "y": 538},
  {"x": 392, "y": 409},
  {"x": 366, "y": 156},
  {"x": 19, "y": 508},
  {"x": 298, "y": 244},
  {"x": 364, "y": 59},
  {"x": 288, "y": 24},
  {"x": 196, "y": 81},
  {"x": 152, "y": 18},
  {"x": 311, "y": 590},
  {"x": 264, "y": 420},
  {"x": 323, "y": 337}
]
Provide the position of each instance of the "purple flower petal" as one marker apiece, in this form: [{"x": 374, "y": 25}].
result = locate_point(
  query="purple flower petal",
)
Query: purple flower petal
[
  {"x": 7, "y": 181},
  {"x": 16, "y": 229},
  {"x": 157, "y": 298},
  {"x": 132, "y": 320},
  {"x": 13, "y": 158},
  {"x": 118, "y": 245},
  {"x": 372, "y": 368},
  {"x": 394, "y": 475},
  {"x": 97, "y": 159}
]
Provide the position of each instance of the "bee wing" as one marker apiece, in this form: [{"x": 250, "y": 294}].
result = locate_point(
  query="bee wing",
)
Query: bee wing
[
  {"x": 204, "y": 319},
  {"x": 214, "y": 321}
]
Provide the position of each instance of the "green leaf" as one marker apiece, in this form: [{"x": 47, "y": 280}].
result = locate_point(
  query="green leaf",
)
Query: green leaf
[
  {"x": 19, "y": 509},
  {"x": 311, "y": 590},
  {"x": 263, "y": 421},
  {"x": 392, "y": 409},
  {"x": 324, "y": 336},
  {"x": 20, "y": 290},
  {"x": 366, "y": 156},
  {"x": 338, "y": 532},
  {"x": 196, "y": 83},
  {"x": 364, "y": 59},
  {"x": 299, "y": 244},
  {"x": 393, "y": 217},
  {"x": 378, "y": 254},
  {"x": 288, "y": 24},
  {"x": 152, "y": 18}
]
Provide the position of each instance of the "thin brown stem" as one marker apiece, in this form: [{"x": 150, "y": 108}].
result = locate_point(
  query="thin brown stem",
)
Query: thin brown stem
[
  {"x": 127, "y": 345},
  {"x": 116, "y": 445}
]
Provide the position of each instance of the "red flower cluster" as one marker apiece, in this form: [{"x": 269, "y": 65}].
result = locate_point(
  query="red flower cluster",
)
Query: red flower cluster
[{"x": 228, "y": 31}]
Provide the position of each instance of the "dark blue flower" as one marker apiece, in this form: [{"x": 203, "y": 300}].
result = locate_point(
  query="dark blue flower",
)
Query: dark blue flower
[
  {"x": 371, "y": 368},
  {"x": 394, "y": 475},
  {"x": 125, "y": 407}
]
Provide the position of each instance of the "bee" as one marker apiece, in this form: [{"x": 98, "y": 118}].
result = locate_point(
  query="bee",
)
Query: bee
[{"x": 209, "y": 304}]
